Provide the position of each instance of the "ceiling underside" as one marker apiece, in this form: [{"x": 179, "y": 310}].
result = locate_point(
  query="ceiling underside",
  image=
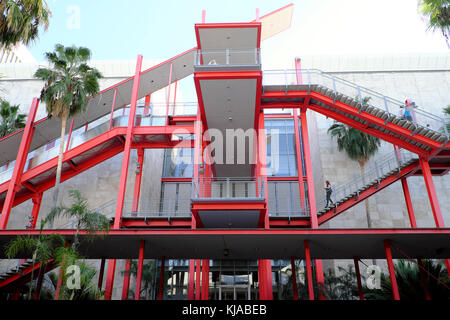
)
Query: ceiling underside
[{"x": 258, "y": 244}]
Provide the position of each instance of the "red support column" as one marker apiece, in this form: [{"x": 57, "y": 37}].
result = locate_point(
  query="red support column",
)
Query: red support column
[
  {"x": 423, "y": 279},
  {"x": 138, "y": 180},
  {"x": 175, "y": 97},
  {"x": 298, "y": 68},
  {"x": 311, "y": 192},
  {"x": 112, "y": 109},
  {"x": 191, "y": 279},
  {"x": 432, "y": 193},
  {"x": 100, "y": 276},
  {"x": 127, "y": 149},
  {"x": 110, "y": 279},
  {"x": 197, "y": 282},
  {"x": 299, "y": 161},
  {"x": 409, "y": 205},
  {"x": 309, "y": 173},
  {"x": 147, "y": 104},
  {"x": 387, "y": 247},
  {"x": 262, "y": 282},
  {"x": 14, "y": 184},
  {"x": 309, "y": 271},
  {"x": 161, "y": 278},
  {"x": 137, "y": 293},
  {"x": 358, "y": 278},
  {"x": 126, "y": 280},
  {"x": 37, "y": 200},
  {"x": 294, "y": 278},
  {"x": 205, "y": 279},
  {"x": 16, "y": 294}
]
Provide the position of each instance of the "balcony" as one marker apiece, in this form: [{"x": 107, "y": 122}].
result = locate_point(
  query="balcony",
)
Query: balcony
[
  {"x": 229, "y": 202},
  {"x": 227, "y": 60}
]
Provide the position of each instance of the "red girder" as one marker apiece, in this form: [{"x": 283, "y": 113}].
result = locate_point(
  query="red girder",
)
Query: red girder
[
  {"x": 24, "y": 276},
  {"x": 352, "y": 111},
  {"x": 367, "y": 193}
]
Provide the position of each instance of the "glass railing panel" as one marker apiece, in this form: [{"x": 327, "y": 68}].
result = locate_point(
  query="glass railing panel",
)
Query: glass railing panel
[
  {"x": 228, "y": 188},
  {"x": 159, "y": 207},
  {"x": 227, "y": 58}
]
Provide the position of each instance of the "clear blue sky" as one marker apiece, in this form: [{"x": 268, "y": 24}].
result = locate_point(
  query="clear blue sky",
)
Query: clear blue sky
[{"x": 116, "y": 30}]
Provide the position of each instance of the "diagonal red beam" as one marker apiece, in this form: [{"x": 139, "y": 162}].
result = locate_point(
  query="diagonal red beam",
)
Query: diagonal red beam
[{"x": 367, "y": 193}]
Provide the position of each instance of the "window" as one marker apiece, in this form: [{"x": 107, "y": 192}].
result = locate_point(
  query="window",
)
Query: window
[
  {"x": 178, "y": 163},
  {"x": 281, "y": 154}
]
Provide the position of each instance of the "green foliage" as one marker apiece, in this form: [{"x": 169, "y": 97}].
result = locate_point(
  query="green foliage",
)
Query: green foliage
[
  {"x": 10, "y": 119},
  {"x": 437, "y": 14},
  {"x": 91, "y": 221},
  {"x": 69, "y": 82},
  {"x": 20, "y": 21},
  {"x": 358, "y": 145},
  {"x": 149, "y": 271},
  {"x": 410, "y": 284},
  {"x": 42, "y": 248}
]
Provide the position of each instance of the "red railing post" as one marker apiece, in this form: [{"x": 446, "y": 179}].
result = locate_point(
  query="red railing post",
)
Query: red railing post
[
  {"x": 15, "y": 183},
  {"x": 205, "y": 279},
  {"x": 112, "y": 109},
  {"x": 387, "y": 247},
  {"x": 309, "y": 271},
  {"x": 294, "y": 278},
  {"x": 70, "y": 135},
  {"x": 358, "y": 278},
  {"x": 137, "y": 293}
]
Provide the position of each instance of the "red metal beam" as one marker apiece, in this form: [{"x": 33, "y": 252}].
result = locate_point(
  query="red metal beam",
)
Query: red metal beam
[
  {"x": 358, "y": 278},
  {"x": 437, "y": 214},
  {"x": 391, "y": 270},
  {"x": 110, "y": 279},
  {"x": 137, "y": 293},
  {"x": 299, "y": 161},
  {"x": 366, "y": 193},
  {"x": 161, "y": 278},
  {"x": 409, "y": 206},
  {"x": 309, "y": 275},
  {"x": 294, "y": 278},
  {"x": 24, "y": 147},
  {"x": 126, "y": 280},
  {"x": 127, "y": 149}
]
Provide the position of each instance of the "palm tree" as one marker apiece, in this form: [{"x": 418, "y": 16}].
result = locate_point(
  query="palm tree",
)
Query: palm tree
[
  {"x": 42, "y": 248},
  {"x": 11, "y": 120},
  {"x": 358, "y": 145},
  {"x": 85, "y": 219},
  {"x": 437, "y": 13},
  {"x": 447, "y": 121},
  {"x": 68, "y": 84},
  {"x": 149, "y": 270},
  {"x": 410, "y": 284},
  {"x": 20, "y": 21}
]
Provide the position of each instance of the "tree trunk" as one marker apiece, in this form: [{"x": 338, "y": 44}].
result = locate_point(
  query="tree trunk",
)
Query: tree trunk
[
  {"x": 40, "y": 280},
  {"x": 60, "y": 161},
  {"x": 32, "y": 275},
  {"x": 366, "y": 202}
]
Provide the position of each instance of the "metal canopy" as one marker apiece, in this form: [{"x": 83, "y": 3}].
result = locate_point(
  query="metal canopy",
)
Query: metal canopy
[{"x": 257, "y": 244}]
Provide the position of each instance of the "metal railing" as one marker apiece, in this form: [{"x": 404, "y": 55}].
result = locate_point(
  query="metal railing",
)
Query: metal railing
[
  {"x": 252, "y": 188},
  {"x": 154, "y": 115},
  {"x": 374, "y": 173},
  {"x": 217, "y": 58},
  {"x": 341, "y": 87}
]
